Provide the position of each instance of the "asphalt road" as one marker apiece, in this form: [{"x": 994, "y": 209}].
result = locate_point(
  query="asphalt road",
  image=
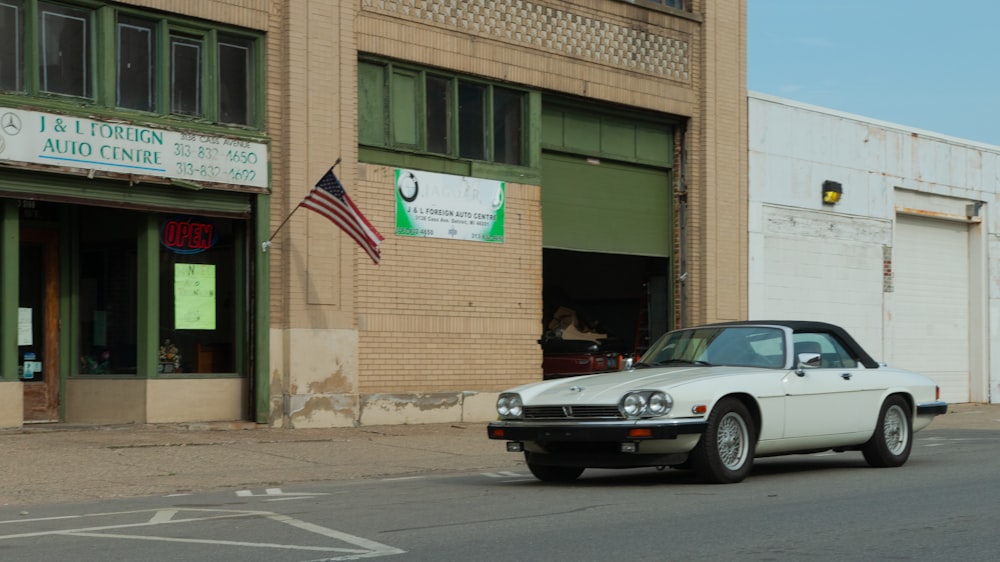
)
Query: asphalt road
[{"x": 832, "y": 506}]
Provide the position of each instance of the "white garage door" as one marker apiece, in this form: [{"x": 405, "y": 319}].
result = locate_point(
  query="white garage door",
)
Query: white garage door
[{"x": 929, "y": 325}]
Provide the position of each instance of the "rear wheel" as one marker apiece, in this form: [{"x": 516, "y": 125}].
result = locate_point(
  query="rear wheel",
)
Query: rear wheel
[
  {"x": 893, "y": 438},
  {"x": 547, "y": 473},
  {"x": 725, "y": 453}
]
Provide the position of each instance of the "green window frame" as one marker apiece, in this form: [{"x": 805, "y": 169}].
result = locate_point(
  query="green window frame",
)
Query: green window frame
[
  {"x": 130, "y": 60},
  {"x": 432, "y": 114}
]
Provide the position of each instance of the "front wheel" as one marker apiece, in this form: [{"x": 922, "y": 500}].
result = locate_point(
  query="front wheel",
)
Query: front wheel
[
  {"x": 893, "y": 438},
  {"x": 547, "y": 473},
  {"x": 724, "y": 455}
]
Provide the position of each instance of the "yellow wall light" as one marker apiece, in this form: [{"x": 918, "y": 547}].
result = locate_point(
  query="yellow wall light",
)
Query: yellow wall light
[{"x": 832, "y": 192}]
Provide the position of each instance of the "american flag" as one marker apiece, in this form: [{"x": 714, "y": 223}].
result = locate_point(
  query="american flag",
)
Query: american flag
[{"x": 329, "y": 199}]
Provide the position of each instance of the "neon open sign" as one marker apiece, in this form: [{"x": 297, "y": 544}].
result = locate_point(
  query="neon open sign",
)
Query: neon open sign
[{"x": 187, "y": 235}]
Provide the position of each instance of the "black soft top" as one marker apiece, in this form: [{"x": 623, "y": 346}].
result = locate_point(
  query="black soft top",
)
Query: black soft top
[{"x": 811, "y": 327}]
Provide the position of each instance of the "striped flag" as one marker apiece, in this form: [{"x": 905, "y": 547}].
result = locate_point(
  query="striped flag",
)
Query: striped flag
[{"x": 329, "y": 199}]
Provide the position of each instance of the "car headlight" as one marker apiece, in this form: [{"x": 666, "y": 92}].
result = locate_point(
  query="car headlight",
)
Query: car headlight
[
  {"x": 633, "y": 404},
  {"x": 660, "y": 403},
  {"x": 510, "y": 406},
  {"x": 645, "y": 404}
]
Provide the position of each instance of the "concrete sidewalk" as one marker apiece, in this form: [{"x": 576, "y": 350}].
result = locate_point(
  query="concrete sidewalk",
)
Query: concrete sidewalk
[{"x": 55, "y": 463}]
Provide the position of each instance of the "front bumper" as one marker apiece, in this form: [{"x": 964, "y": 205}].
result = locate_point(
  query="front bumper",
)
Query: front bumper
[
  {"x": 601, "y": 444},
  {"x": 607, "y": 431}
]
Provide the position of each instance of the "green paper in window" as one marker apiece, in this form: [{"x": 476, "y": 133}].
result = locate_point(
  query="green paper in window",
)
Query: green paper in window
[{"x": 194, "y": 296}]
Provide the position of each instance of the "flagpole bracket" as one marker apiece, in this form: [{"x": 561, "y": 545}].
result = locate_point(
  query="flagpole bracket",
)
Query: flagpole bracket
[{"x": 264, "y": 246}]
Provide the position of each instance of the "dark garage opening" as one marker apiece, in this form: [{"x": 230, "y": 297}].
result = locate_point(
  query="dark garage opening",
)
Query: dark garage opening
[{"x": 624, "y": 297}]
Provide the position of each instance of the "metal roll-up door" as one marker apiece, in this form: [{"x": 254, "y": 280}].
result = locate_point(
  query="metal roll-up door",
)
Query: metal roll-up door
[
  {"x": 601, "y": 206},
  {"x": 930, "y": 316}
]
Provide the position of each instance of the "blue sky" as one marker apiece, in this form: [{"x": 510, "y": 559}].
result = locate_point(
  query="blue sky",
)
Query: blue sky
[{"x": 924, "y": 64}]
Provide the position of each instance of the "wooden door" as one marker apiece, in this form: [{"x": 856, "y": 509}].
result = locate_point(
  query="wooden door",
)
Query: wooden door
[{"x": 38, "y": 324}]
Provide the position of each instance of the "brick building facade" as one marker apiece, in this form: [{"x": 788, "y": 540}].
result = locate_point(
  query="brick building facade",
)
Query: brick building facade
[
  {"x": 441, "y": 325},
  {"x": 637, "y": 107}
]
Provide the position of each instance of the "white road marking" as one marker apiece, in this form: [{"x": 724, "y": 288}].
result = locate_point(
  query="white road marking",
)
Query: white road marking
[
  {"x": 163, "y": 516},
  {"x": 359, "y": 547},
  {"x": 503, "y": 474},
  {"x": 210, "y": 541},
  {"x": 271, "y": 492}
]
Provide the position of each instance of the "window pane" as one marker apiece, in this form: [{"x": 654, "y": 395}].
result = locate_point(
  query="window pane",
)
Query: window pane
[
  {"x": 472, "y": 120},
  {"x": 136, "y": 63},
  {"x": 404, "y": 109},
  {"x": 197, "y": 295},
  {"x": 185, "y": 76},
  {"x": 11, "y": 69},
  {"x": 108, "y": 286},
  {"x": 235, "y": 75},
  {"x": 438, "y": 94},
  {"x": 64, "y": 40},
  {"x": 507, "y": 128},
  {"x": 371, "y": 104}
]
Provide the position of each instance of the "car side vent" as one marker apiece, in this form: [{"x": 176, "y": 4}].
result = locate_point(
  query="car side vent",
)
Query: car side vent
[{"x": 571, "y": 412}]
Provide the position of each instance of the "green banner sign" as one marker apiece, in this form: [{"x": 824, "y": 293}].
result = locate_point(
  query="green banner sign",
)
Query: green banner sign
[{"x": 431, "y": 205}]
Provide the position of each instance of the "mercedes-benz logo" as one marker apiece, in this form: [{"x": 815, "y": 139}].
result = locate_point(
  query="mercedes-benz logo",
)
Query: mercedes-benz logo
[{"x": 10, "y": 123}]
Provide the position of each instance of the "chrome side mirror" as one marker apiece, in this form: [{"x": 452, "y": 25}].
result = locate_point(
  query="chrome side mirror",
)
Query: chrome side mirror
[{"x": 807, "y": 361}]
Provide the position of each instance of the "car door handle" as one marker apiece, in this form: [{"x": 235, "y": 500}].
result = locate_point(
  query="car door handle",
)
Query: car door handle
[{"x": 845, "y": 376}]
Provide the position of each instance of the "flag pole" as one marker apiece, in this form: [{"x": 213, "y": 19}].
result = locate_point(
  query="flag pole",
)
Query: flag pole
[{"x": 265, "y": 245}]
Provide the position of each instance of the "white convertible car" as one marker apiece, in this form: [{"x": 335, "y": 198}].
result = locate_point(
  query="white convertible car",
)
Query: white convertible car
[{"x": 712, "y": 398}]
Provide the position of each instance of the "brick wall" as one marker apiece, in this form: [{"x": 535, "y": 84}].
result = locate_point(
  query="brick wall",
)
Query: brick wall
[{"x": 441, "y": 314}]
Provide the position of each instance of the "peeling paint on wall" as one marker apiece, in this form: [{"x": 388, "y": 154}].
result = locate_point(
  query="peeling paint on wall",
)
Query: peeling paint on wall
[
  {"x": 378, "y": 409},
  {"x": 329, "y": 410},
  {"x": 335, "y": 383}
]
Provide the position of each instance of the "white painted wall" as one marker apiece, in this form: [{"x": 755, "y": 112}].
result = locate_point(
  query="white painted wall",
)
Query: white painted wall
[{"x": 825, "y": 262}]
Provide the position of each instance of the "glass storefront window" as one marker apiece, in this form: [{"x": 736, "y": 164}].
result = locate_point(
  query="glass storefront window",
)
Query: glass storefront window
[
  {"x": 108, "y": 291},
  {"x": 197, "y": 295}
]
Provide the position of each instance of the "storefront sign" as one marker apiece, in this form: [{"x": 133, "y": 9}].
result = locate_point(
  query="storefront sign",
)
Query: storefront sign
[
  {"x": 187, "y": 235},
  {"x": 434, "y": 205},
  {"x": 63, "y": 140}
]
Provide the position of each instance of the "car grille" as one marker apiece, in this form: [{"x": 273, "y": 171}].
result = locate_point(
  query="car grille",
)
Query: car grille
[{"x": 571, "y": 412}]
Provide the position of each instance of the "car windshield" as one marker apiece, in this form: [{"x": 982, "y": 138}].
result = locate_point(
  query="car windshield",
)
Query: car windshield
[{"x": 745, "y": 346}]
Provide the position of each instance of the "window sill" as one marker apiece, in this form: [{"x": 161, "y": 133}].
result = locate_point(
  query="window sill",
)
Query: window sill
[{"x": 468, "y": 168}]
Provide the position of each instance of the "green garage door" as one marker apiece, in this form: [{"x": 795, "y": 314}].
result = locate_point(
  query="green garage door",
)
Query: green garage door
[{"x": 600, "y": 206}]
